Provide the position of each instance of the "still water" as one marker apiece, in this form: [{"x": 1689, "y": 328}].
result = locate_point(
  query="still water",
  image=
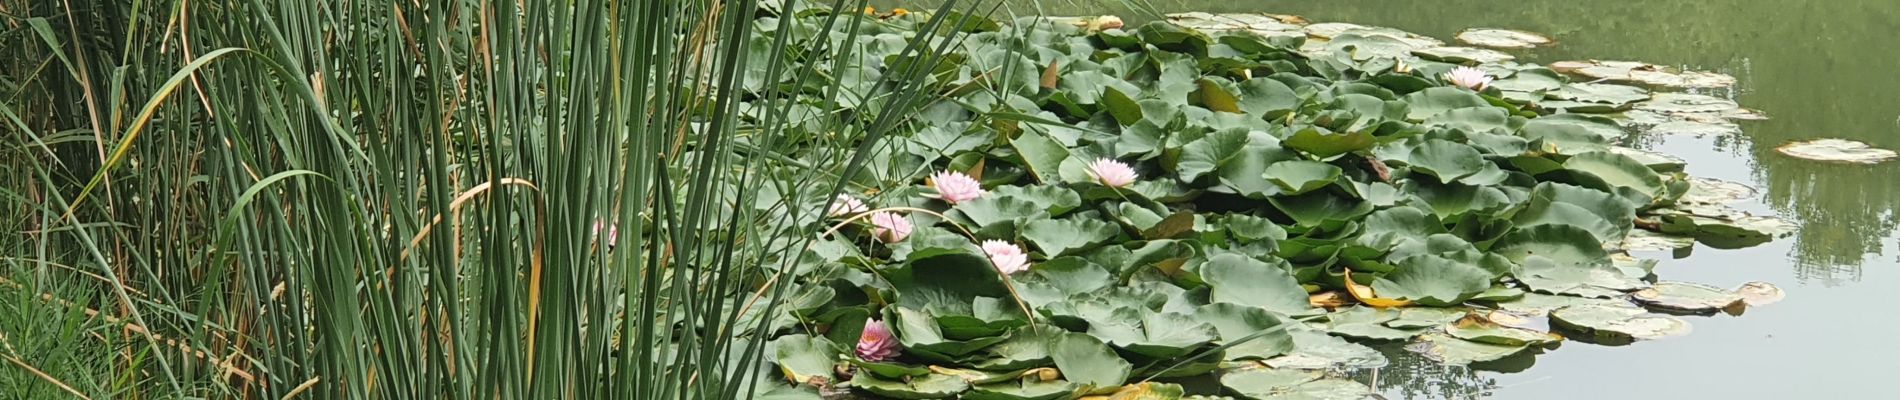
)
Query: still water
[{"x": 1818, "y": 68}]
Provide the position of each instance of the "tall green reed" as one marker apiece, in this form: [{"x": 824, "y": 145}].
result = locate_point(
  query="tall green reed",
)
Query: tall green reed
[{"x": 366, "y": 199}]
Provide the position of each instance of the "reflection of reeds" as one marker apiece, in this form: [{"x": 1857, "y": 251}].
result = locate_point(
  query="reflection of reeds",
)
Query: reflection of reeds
[
  {"x": 1411, "y": 376},
  {"x": 365, "y": 199}
]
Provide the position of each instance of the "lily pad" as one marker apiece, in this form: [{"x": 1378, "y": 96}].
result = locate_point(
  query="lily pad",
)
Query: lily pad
[
  {"x": 1758, "y": 294},
  {"x": 1655, "y": 161},
  {"x": 1026, "y": 389},
  {"x": 933, "y": 386},
  {"x": 1449, "y": 350},
  {"x": 1617, "y": 96},
  {"x": 1086, "y": 360},
  {"x": 1284, "y": 384},
  {"x": 1481, "y": 329},
  {"x": 1462, "y": 55},
  {"x": 1644, "y": 73},
  {"x": 1837, "y": 150},
  {"x": 1695, "y": 129},
  {"x": 1687, "y": 103},
  {"x": 1313, "y": 349},
  {"x": 1235, "y": 322},
  {"x": 1503, "y": 38},
  {"x": 1639, "y": 239},
  {"x": 1368, "y": 323},
  {"x": 1689, "y": 298},
  {"x": 1715, "y": 191},
  {"x": 1617, "y": 325},
  {"x": 1539, "y": 304}
]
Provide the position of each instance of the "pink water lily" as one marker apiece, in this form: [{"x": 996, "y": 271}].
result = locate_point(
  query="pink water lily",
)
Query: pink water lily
[
  {"x": 845, "y": 206},
  {"x": 1008, "y": 258},
  {"x": 889, "y": 227},
  {"x": 876, "y": 343},
  {"x": 1111, "y": 173},
  {"x": 613, "y": 233},
  {"x": 955, "y": 187},
  {"x": 1469, "y": 78}
]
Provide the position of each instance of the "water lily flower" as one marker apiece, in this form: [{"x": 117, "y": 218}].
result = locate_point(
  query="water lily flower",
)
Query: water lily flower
[
  {"x": 1111, "y": 173},
  {"x": 876, "y": 343},
  {"x": 889, "y": 227},
  {"x": 1469, "y": 78},
  {"x": 1008, "y": 258},
  {"x": 613, "y": 232},
  {"x": 955, "y": 187},
  {"x": 845, "y": 206}
]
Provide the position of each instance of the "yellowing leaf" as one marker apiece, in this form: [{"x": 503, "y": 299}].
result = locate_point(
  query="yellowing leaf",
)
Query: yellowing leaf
[{"x": 1365, "y": 296}]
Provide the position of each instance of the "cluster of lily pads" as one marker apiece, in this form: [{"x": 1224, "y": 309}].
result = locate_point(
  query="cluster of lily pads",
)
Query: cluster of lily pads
[{"x": 1091, "y": 210}]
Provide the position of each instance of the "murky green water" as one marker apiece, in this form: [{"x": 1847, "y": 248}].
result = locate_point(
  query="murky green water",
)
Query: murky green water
[{"x": 1818, "y": 68}]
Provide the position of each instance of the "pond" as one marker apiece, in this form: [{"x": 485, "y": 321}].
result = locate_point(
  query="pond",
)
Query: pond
[{"x": 1817, "y": 69}]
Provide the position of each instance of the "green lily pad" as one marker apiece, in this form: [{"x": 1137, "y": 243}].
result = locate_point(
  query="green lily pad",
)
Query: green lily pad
[
  {"x": 1639, "y": 239},
  {"x": 1433, "y": 281},
  {"x": 1503, "y": 38},
  {"x": 1616, "y": 325},
  {"x": 1247, "y": 281},
  {"x": 1426, "y": 317},
  {"x": 1715, "y": 191},
  {"x": 804, "y": 358},
  {"x": 1448, "y": 350},
  {"x": 1758, "y": 294},
  {"x": 1602, "y": 281},
  {"x": 1644, "y": 73},
  {"x": 1160, "y": 335},
  {"x": 1695, "y": 129},
  {"x": 1065, "y": 236},
  {"x": 1429, "y": 102},
  {"x": 1234, "y": 322},
  {"x": 1313, "y": 349},
  {"x": 933, "y": 386},
  {"x": 1683, "y": 297},
  {"x": 1618, "y": 171},
  {"x": 1025, "y": 389},
  {"x": 1540, "y": 304},
  {"x": 1837, "y": 150},
  {"x": 1687, "y": 103},
  {"x": 1284, "y": 384},
  {"x": 1658, "y": 162},
  {"x": 1461, "y": 55},
  {"x": 1085, "y": 360},
  {"x": 1482, "y": 330},
  {"x": 1446, "y": 160},
  {"x": 1601, "y": 93},
  {"x": 1301, "y": 176},
  {"x": 1368, "y": 323}
]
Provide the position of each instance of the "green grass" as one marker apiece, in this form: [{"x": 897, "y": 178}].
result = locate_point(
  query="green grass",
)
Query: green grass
[{"x": 390, "y": 200}]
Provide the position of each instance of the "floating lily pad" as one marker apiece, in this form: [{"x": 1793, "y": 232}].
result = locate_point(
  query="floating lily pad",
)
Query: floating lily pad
[
  {"x": 1449, "y": 350},
  {"x": 1314, "y": 349},
  {"x": 1282, "y": 384},
  {"x": 1639, "y": 239},
  {"x": 1368, "y": 323},
  {"x": 1539, "y": 304},
  {"x": 933, "y": 386},
  {"x": 1695, "y": 129},
  {"x": 1758, "y": 294},
  {"x": 1264, "y": 24},
  {"x": 1687, "y": 103},
  {"x": 1461, "y": 55},
  {"x": 1837, "y": 150},
  {"x": 1026, "y": 389},
  {"x": 1616, "y": 325},
  {"x": 1644, "y": 73},
  {"x": 1480, "y": 329},
  {"x": 1426, "y": 317},
  {"x": 1715, "y": 191},
  {"x": 1689, "y": 298},
  {"x": 1656, "y": 161},
  {"x": 1503, "y": 38},
  {"x": 1615, "y": 96}
]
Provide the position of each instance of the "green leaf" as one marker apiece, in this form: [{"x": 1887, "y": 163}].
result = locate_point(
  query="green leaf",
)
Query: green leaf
[
  {"x": 1431, "y": 102},
  {"x": 1433, "y": 281},
  {"x": 1121, "y": 107},
  {"x": 1313, "y": 349},
  {"x": 1615, "y": 324},
  {"x": 1161, "y": 335},
  {"x": 1319, "y": 207},
  {"x": 1251, "y": 228},
  {"x": 933, "y": 386},
  {"x": 1065, "y": 236},
  {"x": 1448, "y": 161},
  {"x": 1301, "y": 176},
  {"x": 1234, "y": 322},
  {"x": 1025, "y": 389},
  {"x": 1453, "y": 351},
  {"x": 1246, "y": 281},
  {"x": 1051, "y": 199},
  {"x": 1268, "y": 97},
  {"x": 1326, "y": 145},
  {"x": 1368, "y": 323},
  {"x": 1041, "y": 155},
  {"x": 802, "y": 358},
  {"x": 1684, "y": 297},
  {"x": 1209, "y": 93},
  {"x": 1209, "y": 153},
  {"x": 1618, "y": 171},
  {"x": 1085, "y": 360},
  {"x": 989, "y": 210}
]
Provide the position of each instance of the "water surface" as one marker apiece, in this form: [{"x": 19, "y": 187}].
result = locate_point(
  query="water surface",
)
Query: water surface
[{"x": 1818, "y": 68}]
